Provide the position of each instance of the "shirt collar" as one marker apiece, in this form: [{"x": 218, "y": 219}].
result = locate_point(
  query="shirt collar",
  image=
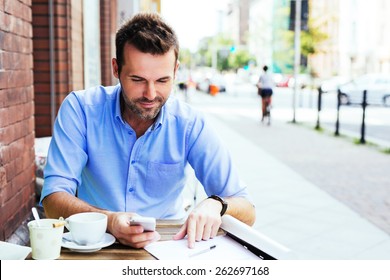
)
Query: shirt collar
[{"x": 118, "y": 113}]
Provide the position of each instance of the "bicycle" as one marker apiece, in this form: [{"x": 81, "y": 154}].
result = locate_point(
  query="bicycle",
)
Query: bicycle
[{"x": 267, "y": 111}]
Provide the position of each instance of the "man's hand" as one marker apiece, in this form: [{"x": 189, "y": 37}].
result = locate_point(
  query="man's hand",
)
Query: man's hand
[
  {"x": 203, "y": 222},
  {"x": 134, "y": 236}
]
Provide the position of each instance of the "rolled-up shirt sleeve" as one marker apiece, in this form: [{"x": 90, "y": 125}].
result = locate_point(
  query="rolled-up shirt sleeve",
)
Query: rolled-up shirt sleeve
[{"x": 67, "y": 152}]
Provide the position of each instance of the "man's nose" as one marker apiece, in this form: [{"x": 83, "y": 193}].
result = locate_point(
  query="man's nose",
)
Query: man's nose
[{"x": 150, "y": 92}]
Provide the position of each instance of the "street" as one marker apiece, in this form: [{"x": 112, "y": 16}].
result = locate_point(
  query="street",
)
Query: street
[
  {"x": 356, "y": 175},
  {"x": 243, "y": 101}
]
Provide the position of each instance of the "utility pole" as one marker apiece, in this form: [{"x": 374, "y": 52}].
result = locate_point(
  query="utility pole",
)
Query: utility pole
[{"x": 297, "y": 51}]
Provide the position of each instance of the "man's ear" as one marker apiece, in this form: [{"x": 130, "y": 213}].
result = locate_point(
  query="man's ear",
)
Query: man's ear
[
  {"x": 115, "y": 68},
  {"x": 176, "y": 68}
]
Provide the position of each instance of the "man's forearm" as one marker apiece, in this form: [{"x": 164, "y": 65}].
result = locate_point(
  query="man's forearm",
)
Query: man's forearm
[
  {"x": 241, "y": 209},
  {"x": 62, "y": 204}
]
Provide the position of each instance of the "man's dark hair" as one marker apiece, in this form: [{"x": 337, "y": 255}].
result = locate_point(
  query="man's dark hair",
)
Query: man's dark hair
[
  {"x": 147, "y": 32},
  {"x": 265, "y": 68}
]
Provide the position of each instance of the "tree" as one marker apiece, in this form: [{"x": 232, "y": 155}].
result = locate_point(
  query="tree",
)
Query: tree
[{"x": 240, "y": 59}]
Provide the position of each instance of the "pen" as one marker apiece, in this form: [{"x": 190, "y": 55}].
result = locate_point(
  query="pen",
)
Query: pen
[{"x": 202, "y": 251}]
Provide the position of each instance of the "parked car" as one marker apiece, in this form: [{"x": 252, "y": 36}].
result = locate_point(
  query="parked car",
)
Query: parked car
[
  {"x": 377, "y": 86},
  {"x": 332, "y": 84},
  {"x": 283, "y": 81},
  {"x": 210, "y": 85}
]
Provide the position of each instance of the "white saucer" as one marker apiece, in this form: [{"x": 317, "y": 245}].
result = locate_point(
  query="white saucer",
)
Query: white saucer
[{"x": 107, "y": 240}]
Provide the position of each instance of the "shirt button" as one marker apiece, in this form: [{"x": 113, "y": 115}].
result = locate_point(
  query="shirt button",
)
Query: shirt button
[
  {"x": 131, "y": 190},
  {"x": 133, "y": 161}
]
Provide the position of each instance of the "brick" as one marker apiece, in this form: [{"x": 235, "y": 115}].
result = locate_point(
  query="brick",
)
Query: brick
[
  {"x": 15, "y": 113},
  {"x": 17, "y": 78},
  {"x": 42, "y": 95},
  {"x": 16, "y": 43},
  {"x": 43, "y": 121},
  {"x": 3, "y": 180},
  {"x": 17, "y": 8},
  {"x": 16, "y": 61},
  {"x": 41, "y": 55},
  {"x": 41, "y": 77},
  {"x": 41, "y": 44},
  {"x": 15, "y": 25},
  {"x": 40, "y": 8},
  {"x": 5, "y": 156},
  {"x": 42, "y": 67},
  {"x": 43, "y": 130},
  {"x": 4, "y": 120},
  {"x": 43, "y": 109},
  {"x": 17, "y": 147},
  {"x": 40, "y": 21}
]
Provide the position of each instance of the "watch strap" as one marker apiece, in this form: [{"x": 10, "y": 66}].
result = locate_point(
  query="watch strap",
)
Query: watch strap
[{"x": 223, "y": 202}]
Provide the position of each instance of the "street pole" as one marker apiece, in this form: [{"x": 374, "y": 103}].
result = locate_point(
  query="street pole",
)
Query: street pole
[
  {"x": 297, "y": 51},
  {"x": 214, "y": 61}
]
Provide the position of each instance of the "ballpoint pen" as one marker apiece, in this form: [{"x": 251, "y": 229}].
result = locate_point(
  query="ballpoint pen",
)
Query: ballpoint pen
[{"x": 202, "y": 251}]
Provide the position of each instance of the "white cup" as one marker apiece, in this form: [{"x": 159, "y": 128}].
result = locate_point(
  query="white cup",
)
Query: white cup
[
  {"x": 87, "y": 228},
  {"x": 45, "y": 238}
]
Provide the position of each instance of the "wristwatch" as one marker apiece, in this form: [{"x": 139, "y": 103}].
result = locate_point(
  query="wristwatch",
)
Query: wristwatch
[{"x": 223, "y": 202}]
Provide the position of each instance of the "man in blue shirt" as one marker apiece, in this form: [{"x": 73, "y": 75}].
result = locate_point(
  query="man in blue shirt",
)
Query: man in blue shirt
[{"x": 122, "y": 150}]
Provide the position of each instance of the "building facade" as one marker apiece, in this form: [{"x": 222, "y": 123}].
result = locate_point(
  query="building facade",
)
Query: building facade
[{"x": 48, "y": 48}]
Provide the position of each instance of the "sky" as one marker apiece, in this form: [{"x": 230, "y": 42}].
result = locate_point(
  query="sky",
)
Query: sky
[{"x": 192, "y": 19}]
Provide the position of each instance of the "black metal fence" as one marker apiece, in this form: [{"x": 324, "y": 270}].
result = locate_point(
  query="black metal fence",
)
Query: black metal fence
[{"x": 339, "y": 103}]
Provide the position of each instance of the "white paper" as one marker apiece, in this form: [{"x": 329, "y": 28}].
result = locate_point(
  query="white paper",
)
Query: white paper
[
  {"x": 226, "y": 249},
  {"x": 10, "y": 251}
]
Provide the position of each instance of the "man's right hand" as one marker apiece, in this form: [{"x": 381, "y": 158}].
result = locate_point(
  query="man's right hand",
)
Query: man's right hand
[
  {"x": 61, "y": 204},
  {"x": 130, "y": 235}
]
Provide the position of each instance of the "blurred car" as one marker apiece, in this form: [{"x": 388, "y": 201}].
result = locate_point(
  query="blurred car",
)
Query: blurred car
[
  {"x": 214, "y": 84},
  {"x": 303, "y": 80},
  {"x": 283, "y": 81},
  {"x": 377, "y": 86},
  {"x": 332, "y": 84}
]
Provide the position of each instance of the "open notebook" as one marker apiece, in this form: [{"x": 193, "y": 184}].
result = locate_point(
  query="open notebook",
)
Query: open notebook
[{"x": 241, "y": 242}]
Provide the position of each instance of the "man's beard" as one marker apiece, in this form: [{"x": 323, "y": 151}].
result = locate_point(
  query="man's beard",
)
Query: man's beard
[{"x": 145, "y": 114}]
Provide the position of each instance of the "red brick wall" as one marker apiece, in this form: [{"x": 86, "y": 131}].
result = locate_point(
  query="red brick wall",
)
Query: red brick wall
[
  {"x": 62, "y": 59},
  {"x": 107, "y": 40},
  {"x": 17, "y": 194}
]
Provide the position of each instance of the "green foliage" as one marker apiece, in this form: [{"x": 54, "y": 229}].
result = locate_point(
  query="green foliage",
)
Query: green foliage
[
  {"x": 222, "y": 49},
  {"x": 283, "y": 55},
  {"x": 311, "y": 39},
  {"x": 239, "y": 59},
  {"x": 185, "y": 57}
]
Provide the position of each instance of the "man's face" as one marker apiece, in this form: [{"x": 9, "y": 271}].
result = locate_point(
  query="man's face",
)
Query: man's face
[{"x": 146, "y": 81}]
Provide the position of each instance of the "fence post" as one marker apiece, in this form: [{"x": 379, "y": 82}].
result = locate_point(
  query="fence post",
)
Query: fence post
[
  {"x": 338, "y": 112},
  {"x": 363, "y": 128},
  {"x": 319, "y": 107}
]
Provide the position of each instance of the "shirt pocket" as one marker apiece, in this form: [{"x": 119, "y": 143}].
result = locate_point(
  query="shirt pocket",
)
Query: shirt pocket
[{"x": 163, "y": 179}]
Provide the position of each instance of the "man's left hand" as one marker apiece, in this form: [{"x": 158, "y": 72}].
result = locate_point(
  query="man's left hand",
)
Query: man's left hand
[{"x": 202, "y": 224}]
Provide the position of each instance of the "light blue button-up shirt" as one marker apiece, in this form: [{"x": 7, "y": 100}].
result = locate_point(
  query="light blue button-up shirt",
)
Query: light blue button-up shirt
[{"x": 95, "y": 155}]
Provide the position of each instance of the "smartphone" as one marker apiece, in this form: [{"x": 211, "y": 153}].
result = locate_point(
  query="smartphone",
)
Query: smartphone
[{"x": 148, "y": 223}]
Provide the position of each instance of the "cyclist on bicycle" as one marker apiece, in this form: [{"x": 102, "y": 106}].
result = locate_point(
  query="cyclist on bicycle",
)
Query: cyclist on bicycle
[{"x": 265, "y": 85}]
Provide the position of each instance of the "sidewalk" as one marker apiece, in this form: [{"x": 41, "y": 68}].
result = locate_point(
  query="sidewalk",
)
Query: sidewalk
[{"x": 291, "y": 209}]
